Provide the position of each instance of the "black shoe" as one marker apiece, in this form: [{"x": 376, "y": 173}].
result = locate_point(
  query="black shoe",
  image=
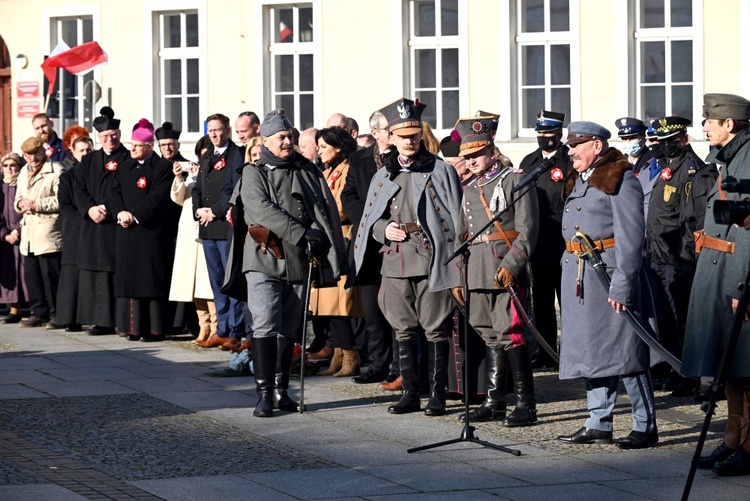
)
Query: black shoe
[
  {"x": 100, "y": 331},
  {"x": 73, "y": 328},
  {"x": 408, "y": 403},
  {"x": 687, "y": 387},
  {"x": 484, "y": 413},
  {"x": 436, "y": 405},
  {"x": 133, "y": 337},
  {"x": 369, "y": 377},
  {"x": 737, "y": 464},
  {"x": 153, "y": 338},
  {"x": 588, "y": 436},
  {"x": 264, "y": 407},
  {"x": 12, "y": 319},
  {"x": 719, "y": 455},
  {"x": 637, "y": 440},
  {"x": 520, "y": 416}
]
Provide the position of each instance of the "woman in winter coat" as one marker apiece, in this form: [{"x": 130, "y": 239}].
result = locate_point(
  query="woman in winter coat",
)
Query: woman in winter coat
[{"x": 12, "y": 284}]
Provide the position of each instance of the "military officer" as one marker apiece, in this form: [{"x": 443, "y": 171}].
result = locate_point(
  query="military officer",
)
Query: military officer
[
  {"x": 410, "y": 208},
  {"x": 605, "y": 202},
  {"x": 499, "y": 258}
]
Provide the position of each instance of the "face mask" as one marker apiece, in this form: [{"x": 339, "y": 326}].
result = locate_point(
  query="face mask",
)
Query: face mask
[
  {"x": 671, "y": 149},
  {"x": 547, "y": 143},
  {"x": 631, "y": 149},
  {"x": 657, "y": 151}
]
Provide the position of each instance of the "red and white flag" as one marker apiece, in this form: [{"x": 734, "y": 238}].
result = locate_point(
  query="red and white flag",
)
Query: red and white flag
[
  {"x": 79, "y": 60},
  {"x": 284, "y": 31}
]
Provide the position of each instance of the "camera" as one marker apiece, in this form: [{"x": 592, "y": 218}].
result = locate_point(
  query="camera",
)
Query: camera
[{"x": 729, "y": 211}]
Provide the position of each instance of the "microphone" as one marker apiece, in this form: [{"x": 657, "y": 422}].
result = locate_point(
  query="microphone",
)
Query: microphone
[{"x": 534, "y": 176}]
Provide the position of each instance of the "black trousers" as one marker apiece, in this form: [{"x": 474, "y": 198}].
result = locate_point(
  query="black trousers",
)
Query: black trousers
[
  {"x": 379, "y": 331},
  {"x": 546, "y": 284},
  {"x": 340, "y": 329},
  {"x": 42, "y": 274}
]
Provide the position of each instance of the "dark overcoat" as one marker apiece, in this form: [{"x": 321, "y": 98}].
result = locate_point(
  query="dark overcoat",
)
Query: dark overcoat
[
  {"x": 209, "y": 190},
  {"x": 144, "y": 256},
  {"x": 596, "y": 341},
  {"x": 71, "y": 218},
  {"x": 93, "y": 186}
]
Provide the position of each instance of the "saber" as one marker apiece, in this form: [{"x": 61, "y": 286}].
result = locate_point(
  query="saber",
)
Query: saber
[
  {"x": 591, "y": 253},
  {"x": 311, "y": 262},
  {"x": 525, "y": 317}
]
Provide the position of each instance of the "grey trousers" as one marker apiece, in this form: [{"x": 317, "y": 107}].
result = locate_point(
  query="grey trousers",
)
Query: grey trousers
[
  {"x": 408, "y": 304},
  {"x": 275, "y": 305},
  {"x": 601, "y": 395}
]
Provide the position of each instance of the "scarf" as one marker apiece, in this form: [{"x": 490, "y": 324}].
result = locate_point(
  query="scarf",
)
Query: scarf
[
  {"x": 272, "y": 161},
  {"x": 422, "y": 161},
  {"x": 11, "y": 180}
]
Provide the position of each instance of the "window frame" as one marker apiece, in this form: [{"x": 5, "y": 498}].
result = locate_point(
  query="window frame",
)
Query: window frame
[
  {"x": 438, "y": 43},
  {"x": 545, "y": 39}
]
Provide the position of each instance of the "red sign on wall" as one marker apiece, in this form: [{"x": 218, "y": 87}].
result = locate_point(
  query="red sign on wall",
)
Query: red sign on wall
[
  {"x": 25, "y": 90},
  {"x": 27, "y": 109}
]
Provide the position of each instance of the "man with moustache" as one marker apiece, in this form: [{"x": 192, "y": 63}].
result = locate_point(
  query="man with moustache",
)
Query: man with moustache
[
  {"x": 53, "y": 145},
  {"x": 96, "y": 260},
  {"x": 545, "y": 258},
  {"x": 363, "y": 166},
  {"x": 409, "y": 210},
  {"x": 285, "y": 194},
  {"x": 209, "y": 206},
  {"x": 145, "y": 246}
]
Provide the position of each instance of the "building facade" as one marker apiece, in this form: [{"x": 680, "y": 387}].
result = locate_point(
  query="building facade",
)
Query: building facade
[{"x": 181, "y": 60}]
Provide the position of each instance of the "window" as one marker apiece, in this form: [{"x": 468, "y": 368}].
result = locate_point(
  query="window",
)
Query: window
[
  {"x": 68, "y": 103},
  {"x": 291, "y": 64},
  {"x": 178, "y": 70},
  {"x": 664, "y": 58},
  {"x": 435, "y": 57},
  {"x": 543, "y": 44}
]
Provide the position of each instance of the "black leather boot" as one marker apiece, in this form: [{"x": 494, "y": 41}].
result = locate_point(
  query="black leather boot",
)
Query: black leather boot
[
  {"x": 409, "y": 402},
  {"x": 284, "y": 352},
  {"x": 524, "y": 413},
  {"x": 496, "y": 366},
  {"x": 264, "y": 367},
  {"x": 438, "y": 368}
]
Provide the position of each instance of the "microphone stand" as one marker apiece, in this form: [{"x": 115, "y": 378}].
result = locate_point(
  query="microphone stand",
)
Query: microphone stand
[{"x": 467, "y": 434}]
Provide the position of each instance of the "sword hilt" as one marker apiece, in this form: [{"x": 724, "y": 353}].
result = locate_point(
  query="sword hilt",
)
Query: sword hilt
[{"x": 588, "y": 245}]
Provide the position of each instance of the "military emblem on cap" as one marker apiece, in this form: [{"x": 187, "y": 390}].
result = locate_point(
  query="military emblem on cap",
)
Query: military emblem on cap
[
  {"x": 404, "y": 116},
  {"x": 494, "y": 116},
  {"x": 476, "y": 133},
  {"x": 629, "y": 126},
  {"x": 667, "y": 127},
  {"x": 549, "y": 120}
]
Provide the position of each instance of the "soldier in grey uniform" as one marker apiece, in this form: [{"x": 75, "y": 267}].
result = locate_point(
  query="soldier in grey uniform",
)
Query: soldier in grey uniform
[
  {"x": 498, "y": 258},
  {"x": 604, "y": 201},
  {"x": 676, "y": 211},
  {"x": 410, "y": 208},
  {"x": 287, "y": 195},
  {"x": 722, "y": 264}
]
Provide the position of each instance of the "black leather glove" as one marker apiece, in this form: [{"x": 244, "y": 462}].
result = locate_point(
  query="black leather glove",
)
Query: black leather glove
[{"x": 316, "y": 243}]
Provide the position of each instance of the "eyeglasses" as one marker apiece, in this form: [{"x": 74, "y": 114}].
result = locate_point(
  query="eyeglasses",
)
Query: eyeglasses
[{"x": 10, "y": 164}]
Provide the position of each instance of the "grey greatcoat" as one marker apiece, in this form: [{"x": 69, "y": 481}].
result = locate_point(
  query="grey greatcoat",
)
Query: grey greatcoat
[
  {"x": 491, "y": 310},
  {"x": 282, "y": 199},
  {"x": 596, "y": 341},
  {"x": 437, "y": 196},
  {"x": 717, "y": 276}
]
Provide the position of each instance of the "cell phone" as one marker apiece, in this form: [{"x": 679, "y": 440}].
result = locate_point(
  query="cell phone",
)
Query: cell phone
[{"x": 186, "y": 167}]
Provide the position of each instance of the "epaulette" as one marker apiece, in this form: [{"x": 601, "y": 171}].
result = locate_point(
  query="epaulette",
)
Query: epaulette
[
  {"x": 691, "y": 166},
  {"x": 515, "y": 170}
]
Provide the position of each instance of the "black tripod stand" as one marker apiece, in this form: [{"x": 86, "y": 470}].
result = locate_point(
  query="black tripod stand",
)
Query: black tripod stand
[
  {"x": 720, "y": 379},
  {"x": 467, "y": 434}
]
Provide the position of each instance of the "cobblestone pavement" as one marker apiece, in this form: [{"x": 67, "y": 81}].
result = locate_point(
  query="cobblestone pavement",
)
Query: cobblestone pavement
[{"x": 102, "y": 418}]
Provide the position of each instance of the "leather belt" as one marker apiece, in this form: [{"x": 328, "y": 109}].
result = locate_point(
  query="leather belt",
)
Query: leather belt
[
  {"x": 574, "y": 247},
  {"x": 410, "y": 227},
  {"x": 703, "y": 241},
  {"x": 493, "y": 237}
]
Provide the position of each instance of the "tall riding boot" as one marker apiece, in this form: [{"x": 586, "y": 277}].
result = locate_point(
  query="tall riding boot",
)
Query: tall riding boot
[
  {"x": 409, "y": 402},
  {"x": 496, "y": 367},
  {"x": 524, "y": 413},
  {"x": 350, "y": 364},
  {"x": 336, "y": 363},
  {"x": 264, "y": 367},
  {"x": 284, "y": 352},
  {"x": 438, "y": 369}
]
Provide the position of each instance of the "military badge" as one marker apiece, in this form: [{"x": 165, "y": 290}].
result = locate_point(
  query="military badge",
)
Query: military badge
[
  {"x": 478, "y": 127},
  {"x": 556, "y": 175},
  {"x": 141, "y": 183},
  {"x": 666, "y": 174},
  {"x": 668, "y": 191},
  {"x": 623, "y": 122},
  {"x": 111, "y": 166},
  {"x": 220, "y": 163},
  {"x": 404, "y": 110}
]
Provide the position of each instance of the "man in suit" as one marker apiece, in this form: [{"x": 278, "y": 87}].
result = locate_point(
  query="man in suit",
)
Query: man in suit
[
  {"x": 545, "y": 259},
  {"x": 363, "y": 166},
  {"x": 210, "y": 206}
]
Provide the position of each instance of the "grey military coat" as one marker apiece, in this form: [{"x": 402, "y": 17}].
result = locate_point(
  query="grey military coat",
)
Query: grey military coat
[
  {"x": 717, "y": 277},
  {"x": 596, "y": 341},
  {"x": 437, "y": 196}
]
